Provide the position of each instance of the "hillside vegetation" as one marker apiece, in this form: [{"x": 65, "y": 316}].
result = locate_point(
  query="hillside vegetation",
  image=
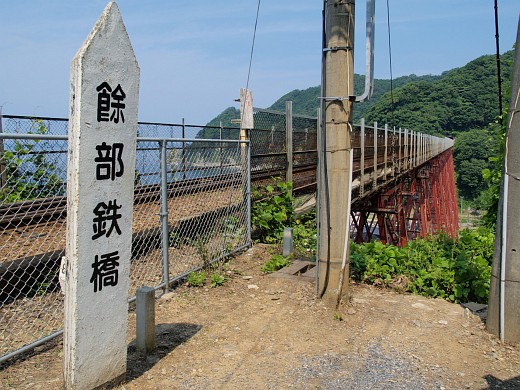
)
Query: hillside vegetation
[
  {"x": 306, "y": 102},
  {"x": 460, "y": 103}
]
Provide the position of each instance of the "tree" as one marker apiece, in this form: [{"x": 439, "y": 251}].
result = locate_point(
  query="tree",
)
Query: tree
[
  {"x": 471, "y": 157},
  {"x": 30, "y": 174}
]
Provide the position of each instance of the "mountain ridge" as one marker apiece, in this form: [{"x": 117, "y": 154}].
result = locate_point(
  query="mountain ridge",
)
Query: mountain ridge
[{"x": 457, "y": 100}]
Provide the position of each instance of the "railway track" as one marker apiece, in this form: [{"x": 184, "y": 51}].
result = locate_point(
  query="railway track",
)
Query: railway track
[{"x": 33, "y": 212}]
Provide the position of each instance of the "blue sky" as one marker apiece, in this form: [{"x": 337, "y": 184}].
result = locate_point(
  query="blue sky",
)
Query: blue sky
[{"x": 194, "y": 56}]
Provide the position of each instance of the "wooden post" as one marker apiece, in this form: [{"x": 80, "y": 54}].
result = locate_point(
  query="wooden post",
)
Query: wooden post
[
  {"x": 335, "y": 197},
  {"x": 95, "y": 275},
  {"x": 246, "y": 119}
]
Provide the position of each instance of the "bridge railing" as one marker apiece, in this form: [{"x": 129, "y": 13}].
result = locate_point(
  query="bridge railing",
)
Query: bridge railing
[{"x": 381, "y": 154}]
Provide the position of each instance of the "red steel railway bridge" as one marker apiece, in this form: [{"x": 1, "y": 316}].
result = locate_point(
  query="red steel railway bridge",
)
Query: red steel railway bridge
[{"x": 403, "y": 185}]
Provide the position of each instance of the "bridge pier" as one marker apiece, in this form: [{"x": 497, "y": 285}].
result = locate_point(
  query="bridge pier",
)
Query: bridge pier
[{"x": 418, "y": 203}]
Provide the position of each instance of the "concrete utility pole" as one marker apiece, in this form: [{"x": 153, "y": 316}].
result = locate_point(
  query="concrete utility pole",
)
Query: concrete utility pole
[
  {"x": 335, "y": 156},
  {"x": 504, "y": 293}
]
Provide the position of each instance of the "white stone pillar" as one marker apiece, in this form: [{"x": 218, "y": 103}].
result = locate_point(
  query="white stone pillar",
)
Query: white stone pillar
[{"x": 101, "y": 164}]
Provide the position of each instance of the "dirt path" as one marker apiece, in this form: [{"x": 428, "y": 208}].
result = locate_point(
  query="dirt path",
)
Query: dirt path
[{"x": 261, "y": 332}]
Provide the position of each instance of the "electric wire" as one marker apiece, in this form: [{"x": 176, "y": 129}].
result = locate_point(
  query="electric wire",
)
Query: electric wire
[
  {"x": 253, "y": 45},
  {"x": 499, "y": 75},
  {"x": 239, "y": 145},
  {"x": 390, "y": 61},
  {"x": 251, "y": 58}
]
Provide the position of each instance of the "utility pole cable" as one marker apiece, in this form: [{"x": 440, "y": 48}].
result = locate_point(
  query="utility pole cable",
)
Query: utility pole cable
[{"x": 499, "y": 72}]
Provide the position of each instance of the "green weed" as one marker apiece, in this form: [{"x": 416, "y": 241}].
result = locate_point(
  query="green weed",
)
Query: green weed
[
  {"x": 217, "y": 279},
  {"x": 438, "y": 266},
  {"x": 277, "y": 262},
  {"x": 196, "y": 279},
  {"x": 272, "y": 211}
]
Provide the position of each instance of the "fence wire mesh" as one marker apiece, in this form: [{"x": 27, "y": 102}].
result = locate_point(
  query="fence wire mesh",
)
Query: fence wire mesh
[
  {"x": 305, "y": 151},
  {"x": 268, "y": 147},
  {"x": 207, "y": 218},
  {"x": 199, "y": 187},
  {"x": 32, "y": 238}
]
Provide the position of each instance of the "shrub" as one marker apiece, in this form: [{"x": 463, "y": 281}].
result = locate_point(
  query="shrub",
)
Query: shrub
[
  {"x": 29, "y": 170},
  {"x": 437, "y": 266},
  {"x": 272, "y": 211}
]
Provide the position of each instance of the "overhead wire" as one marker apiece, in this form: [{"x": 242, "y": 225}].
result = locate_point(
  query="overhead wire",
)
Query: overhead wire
[
  {"x": 499, "y": 73},
  {"x": 253, "y": 44},
  {"x": 251, "y": 55},
  {"x": 239, "y": 144},
  {"x": 390, "y": 61}
]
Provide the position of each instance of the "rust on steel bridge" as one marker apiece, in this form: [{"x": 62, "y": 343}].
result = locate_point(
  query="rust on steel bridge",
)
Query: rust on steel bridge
[{"x": 403, "y": 185}]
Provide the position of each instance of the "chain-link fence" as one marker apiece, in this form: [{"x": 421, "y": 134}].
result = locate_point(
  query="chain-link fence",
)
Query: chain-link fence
[
  {"x": 32, "y": 237},
  {"x": 191, "y": 208},
  {"x": 191, "y": 202},
  {"x": 305, "y": 152},
  {"x": 270, "y": 156}
]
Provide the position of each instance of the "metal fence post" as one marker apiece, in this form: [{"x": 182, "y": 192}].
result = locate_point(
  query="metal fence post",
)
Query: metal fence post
[
  {"x": 395, "y": 151},
  {"x": 164, "y": 217},
  {"x": 414, "y": 149},
  {"x": 399, "y": 164},
  {"x": 362, "y": 159},
  {"x": 3, "y": 173},
  {"x": 221, "y": 156},
  {"x": 319, "y": 180},
  {"x": 405, "y": 159},
  {"x": 386, "y": 151},
  {"x": 248, "y": 190},
  {"x": 183, "y": 150},
  {"x": 289, "y": 140},
  {"x": 417, "y": 148},
  {"x": 374, "y": 179}
]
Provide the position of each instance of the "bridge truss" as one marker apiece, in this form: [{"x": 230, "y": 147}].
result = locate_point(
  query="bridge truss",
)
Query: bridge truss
[{"x": 416, "y": 203}]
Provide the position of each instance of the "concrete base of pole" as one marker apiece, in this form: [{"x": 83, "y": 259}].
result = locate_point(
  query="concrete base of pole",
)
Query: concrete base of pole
[
  {"x": 145, "y": 319},
  {"x": 287, "y": 242},
  {"x": 333, "y": 295}
]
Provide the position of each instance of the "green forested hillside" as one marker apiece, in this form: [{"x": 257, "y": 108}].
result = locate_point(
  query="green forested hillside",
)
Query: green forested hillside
[
  {"x": 460, "y": 103},
  {"x": 306, "y": 102},
  {"x": 461, "y": 99}
]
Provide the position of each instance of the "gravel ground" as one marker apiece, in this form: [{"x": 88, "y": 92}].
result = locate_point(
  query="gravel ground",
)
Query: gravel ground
[{"x": 260, "y": 332}]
